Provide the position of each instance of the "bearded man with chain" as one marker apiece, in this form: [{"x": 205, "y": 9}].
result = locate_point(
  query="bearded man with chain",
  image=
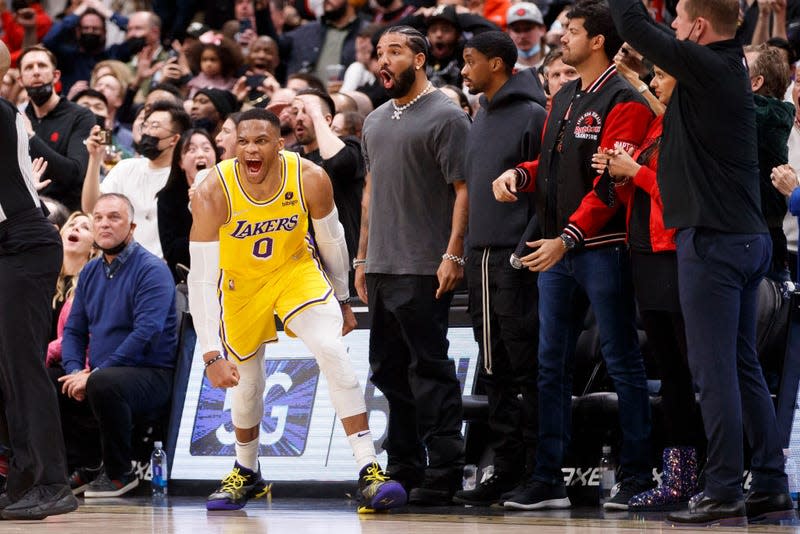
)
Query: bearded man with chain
[{"x": 410, "y": 258}]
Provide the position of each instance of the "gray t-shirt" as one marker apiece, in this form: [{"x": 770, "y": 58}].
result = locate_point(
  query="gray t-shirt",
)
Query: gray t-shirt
[{"x": 413, "y": 161}]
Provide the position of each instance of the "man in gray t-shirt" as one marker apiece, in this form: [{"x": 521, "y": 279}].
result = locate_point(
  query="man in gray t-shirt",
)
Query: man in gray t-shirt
[{"x": 410, "y": 258}]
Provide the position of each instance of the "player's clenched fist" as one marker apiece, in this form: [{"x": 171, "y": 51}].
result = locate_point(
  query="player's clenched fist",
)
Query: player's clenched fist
[{"x": 223, "y": 374}]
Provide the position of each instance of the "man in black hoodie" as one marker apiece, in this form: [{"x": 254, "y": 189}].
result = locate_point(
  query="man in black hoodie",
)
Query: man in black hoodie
[
  {"x": 503, "y": 300},
  {"x": 709, "y": 182}
]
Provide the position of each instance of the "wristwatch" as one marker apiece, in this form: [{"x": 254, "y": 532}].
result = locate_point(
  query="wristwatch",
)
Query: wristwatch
[{"x": 569, "y": 242}]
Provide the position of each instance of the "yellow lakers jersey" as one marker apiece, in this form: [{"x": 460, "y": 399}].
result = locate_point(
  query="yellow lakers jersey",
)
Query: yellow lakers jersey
[
  {"x": 268, "y": 264},
  {"x": 261, "y": 235}
]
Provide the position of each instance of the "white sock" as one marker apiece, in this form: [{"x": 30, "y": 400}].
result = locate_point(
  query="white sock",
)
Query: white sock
[
  {"x": 247, "y": 454},
  {"x": 363, "y": 448}
]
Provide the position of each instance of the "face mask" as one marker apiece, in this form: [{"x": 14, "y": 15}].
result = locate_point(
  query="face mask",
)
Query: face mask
[
  {"x": 91, "y": 41},
  {"x": 135, "y": 44},
  {"x": 148, "y": 147},
  {"x": 40, "y": 95},
  {"x": 113, "y": 251},
  {"x": 530, "y": 53}
]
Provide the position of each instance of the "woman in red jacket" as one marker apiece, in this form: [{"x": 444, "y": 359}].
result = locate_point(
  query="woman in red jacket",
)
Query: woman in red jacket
[{"x": 655, "y": 278}]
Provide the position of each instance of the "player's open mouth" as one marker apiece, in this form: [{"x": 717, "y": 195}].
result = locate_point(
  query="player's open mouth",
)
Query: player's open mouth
[
  {"x": 253, "y": 166},
  {"x": 386, "y": 78}
]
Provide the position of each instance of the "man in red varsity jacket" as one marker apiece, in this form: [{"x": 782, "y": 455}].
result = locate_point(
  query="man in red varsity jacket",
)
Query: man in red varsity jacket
[{"x": 583, "y": 249}]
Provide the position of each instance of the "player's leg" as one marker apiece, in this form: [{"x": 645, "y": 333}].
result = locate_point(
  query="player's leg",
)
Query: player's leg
[
  {"x": 244, "y": 482},
  {"x": 320, "y": 328}
]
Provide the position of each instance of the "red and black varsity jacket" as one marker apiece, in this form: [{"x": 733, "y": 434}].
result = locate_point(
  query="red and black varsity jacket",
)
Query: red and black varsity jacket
[{"x": 607, "y": 113}]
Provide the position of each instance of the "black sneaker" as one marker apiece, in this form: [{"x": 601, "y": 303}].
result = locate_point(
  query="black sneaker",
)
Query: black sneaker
[
  {"x": 80, "y": 479},
  {"x": 238, "y": 487},
  {"x": 42, "y": 501},
  {"x": 487, "y": 492},
  {"x": 437, "y": 490},
  {"x": 105, "y": 487},
  {"x": 535, "y": 495},
  {"x": 624, "y": 491},
  {"x": 377, "y": 492}
]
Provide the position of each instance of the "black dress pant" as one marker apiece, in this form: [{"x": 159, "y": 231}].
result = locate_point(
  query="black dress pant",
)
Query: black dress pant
[
  {"x": 101, "y": 426},
  {"x": 408, "y": 358},
  {"x": 30, "y": 259},
  {"x": 503, "y": 304}
]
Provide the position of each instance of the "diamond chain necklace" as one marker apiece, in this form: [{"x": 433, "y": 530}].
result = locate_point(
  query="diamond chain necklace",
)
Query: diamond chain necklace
[{"x": 398, "y": 110}]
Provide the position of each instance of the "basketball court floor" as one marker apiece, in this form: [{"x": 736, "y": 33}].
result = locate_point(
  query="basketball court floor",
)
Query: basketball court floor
[{"x": 187, "y": 515}]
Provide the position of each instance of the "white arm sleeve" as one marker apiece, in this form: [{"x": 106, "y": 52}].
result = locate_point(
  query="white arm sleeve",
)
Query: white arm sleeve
[
  {"x": 203, "y": 302},
  {"x": 332, "y": 247}
]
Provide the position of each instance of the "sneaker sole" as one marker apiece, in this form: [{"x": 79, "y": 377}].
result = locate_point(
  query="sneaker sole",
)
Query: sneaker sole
[
  {"x": 116, "y": 493},
  {"x": 541, "y": 505},
  {"x": 468, "y": 502},
  {"x": 726, "y": 522},
  {"x": 225, "y": 505},
  {"x": 80, "y": 489},
  {"x": 617, "y": 507}
]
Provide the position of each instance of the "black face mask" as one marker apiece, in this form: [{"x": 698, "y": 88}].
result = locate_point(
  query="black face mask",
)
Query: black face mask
[
  {"x": 113, "y": 251},
  {"x": 135, "y": 44},
  {"x": 40, "y": 95},
  {"x": 91, "y": 41},
  {"x": 148, "y": 147}
]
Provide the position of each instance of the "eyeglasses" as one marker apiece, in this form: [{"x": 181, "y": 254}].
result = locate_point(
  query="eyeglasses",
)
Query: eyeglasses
[{"x": 151, "y": 125}]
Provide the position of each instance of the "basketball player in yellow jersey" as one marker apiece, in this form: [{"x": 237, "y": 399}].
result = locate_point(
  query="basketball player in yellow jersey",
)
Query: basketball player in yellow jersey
[{"x": 250, "y": 252}]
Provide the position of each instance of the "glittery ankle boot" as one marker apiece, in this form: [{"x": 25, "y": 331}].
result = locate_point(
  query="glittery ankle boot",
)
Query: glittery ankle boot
[{"x": 678, "y": 482}]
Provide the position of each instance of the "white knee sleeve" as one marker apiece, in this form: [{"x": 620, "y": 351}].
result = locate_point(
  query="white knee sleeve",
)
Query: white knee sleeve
[
  {"x": 247, "y": 399},
  {"x": 320, "y": 328}
]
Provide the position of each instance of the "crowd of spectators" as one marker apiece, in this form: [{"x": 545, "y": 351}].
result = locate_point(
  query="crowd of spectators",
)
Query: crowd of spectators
[{"x": 142, "y": 102}]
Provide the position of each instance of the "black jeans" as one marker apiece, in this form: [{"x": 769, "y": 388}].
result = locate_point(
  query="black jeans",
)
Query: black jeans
[
  {"x": 503, "y": 304},
  {"x": 101, "y": 426},
  {"x": 30, "y": 258},
  {"x": 408, "y": 358}
]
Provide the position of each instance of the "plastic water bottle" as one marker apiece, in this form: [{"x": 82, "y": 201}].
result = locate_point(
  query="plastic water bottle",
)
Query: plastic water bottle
[
  {"x": 791, "y": 473},
  {"x": 158, "y": 466},
  {"x": 608, "y": 474}
]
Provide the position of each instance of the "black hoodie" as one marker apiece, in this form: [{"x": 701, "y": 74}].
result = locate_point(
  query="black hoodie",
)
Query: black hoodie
[{"x": 505, "y": 132}]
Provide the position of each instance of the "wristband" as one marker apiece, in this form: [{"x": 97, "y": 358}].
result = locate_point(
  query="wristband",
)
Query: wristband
[
  {"x": 213, "y": 360},
  {"x": 345, "y": 302},
  {"x": 357, "y": 262},
  {"x": 642, "y": 87},
  {"x": 452, "y": 257}
]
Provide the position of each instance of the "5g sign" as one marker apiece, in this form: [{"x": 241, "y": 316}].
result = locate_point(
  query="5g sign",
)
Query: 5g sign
[{"x": 289, "y": 394}]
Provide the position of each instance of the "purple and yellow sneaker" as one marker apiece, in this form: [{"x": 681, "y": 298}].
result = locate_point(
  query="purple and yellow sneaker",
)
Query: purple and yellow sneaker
[
  {"x": 377, "y": 492},
  {"x": 238, "y": 487}
]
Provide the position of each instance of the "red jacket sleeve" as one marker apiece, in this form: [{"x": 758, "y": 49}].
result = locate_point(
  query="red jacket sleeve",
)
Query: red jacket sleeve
[{"x": 626, "y": 125}]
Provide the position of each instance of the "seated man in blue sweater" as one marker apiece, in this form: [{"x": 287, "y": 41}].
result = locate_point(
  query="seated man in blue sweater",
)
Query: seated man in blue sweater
[{"x": 125, "y": 300}]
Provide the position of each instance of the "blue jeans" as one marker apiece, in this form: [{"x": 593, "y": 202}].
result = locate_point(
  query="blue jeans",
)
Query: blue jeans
[
  {"x": 718, "y": 278},
  {"x": 604, "y": 275}
]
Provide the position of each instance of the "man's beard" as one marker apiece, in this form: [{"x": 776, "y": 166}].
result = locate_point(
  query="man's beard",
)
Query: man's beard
[
  {"x": 334, "y": 15},
  {"x": 402, "y": 83},
  {"x": 286, "y": 129}
]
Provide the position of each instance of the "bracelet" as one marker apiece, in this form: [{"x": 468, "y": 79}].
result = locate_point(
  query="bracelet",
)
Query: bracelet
[
  {"x": 452, "y": 257},
  {"x": 357, "y": 262},
  {"x": 642, "y": 87},
  {"x": 345, "y": 301},
  {"x": 215, "y": 359}
]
